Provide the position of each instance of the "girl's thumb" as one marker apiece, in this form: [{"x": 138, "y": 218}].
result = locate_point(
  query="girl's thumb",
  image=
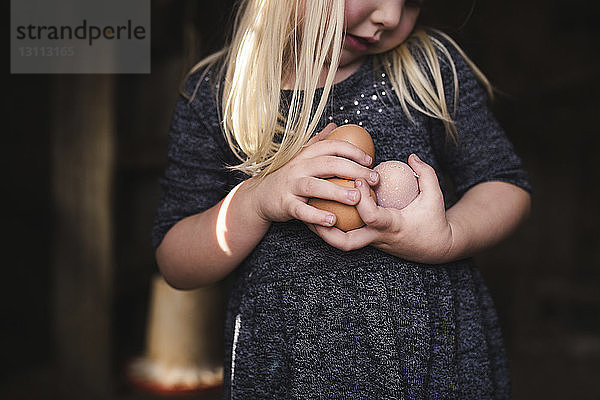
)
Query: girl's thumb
[{"x": 428, "y": 180}]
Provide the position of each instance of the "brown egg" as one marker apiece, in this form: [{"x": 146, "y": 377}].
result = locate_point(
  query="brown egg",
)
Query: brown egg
[
  {"x": 356, "y": 135},
  {"x": 398, "y": 185},
  {"x": 347, "y": 217}
]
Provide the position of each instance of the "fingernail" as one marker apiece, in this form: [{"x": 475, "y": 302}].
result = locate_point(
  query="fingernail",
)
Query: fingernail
[
  {"x": 374, "y": 176},
  {"x": 417, "y": 158},
  {"x": 352, "y": 194},
  {"x": 368, "y": 159},
  {"x": 330, "y": 219},
  {"x": 357, "y": 183}
]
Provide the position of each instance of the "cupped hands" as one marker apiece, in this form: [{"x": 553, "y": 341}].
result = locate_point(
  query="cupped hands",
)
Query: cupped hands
[
  {"x": 419, "y": 232},
  {"x": 283, "y": 195}
]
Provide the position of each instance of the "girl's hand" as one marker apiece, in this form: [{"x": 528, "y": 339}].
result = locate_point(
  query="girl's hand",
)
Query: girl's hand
[
  {"x": 282, "y": 195},
  {"x": 420, "y": 232}
]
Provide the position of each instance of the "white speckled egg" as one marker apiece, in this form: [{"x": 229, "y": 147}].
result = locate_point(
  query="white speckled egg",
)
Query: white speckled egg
[{"x": 398, "y": 185}]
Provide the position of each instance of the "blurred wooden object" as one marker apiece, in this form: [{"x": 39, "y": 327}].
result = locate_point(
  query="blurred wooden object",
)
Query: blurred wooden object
[
  {"x": 82, "y": 169},
  {"x": 183, "y": 340}
]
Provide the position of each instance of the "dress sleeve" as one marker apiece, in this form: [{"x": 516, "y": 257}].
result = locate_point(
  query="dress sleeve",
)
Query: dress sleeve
[
  {"x": 483, "y": 152},
  {"x": 196, "y": 177}
]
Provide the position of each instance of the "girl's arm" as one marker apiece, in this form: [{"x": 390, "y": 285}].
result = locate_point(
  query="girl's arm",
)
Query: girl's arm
[
  {"x": 205, "y": 247},
  {"x": 425, "y": 232},
  {"x": 486, "y": 214}
]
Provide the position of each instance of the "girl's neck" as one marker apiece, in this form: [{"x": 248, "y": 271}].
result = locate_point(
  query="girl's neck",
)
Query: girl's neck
[{"x": 343, "y": 73}]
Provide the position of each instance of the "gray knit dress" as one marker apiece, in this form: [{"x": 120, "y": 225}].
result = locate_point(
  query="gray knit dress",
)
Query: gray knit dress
[{"x": 306, "y": 320}]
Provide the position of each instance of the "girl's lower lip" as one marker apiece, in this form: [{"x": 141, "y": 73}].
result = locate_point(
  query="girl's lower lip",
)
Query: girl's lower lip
[{"x": 355, "y": 44}]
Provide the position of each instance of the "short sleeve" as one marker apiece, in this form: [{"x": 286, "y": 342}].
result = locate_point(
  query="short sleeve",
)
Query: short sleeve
[
  {"x": 483, "y": 152},
  {"x": 196, "y": 177}
]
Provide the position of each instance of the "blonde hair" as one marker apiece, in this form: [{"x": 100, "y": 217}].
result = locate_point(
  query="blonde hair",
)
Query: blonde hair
[
  {"x": 403, "y": 66},
  {"x": 277, "y": 40}
]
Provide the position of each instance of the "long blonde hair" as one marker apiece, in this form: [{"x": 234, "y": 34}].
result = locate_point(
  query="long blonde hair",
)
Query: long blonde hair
[{"x": 274, "y": 40}]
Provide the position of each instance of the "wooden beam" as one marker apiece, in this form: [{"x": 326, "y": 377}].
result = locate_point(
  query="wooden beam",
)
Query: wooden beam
[{"x": 82, "y": 162}]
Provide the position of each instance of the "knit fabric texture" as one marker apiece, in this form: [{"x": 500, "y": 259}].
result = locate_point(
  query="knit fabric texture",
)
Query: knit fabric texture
[{"x": 306, "y": 320}]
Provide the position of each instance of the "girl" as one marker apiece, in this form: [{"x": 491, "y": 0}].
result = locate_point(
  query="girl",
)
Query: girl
[{"x": 395, "y": 309}]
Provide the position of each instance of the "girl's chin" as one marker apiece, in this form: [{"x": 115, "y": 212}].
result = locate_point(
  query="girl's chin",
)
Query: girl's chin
[{"x": 348, "y": 59}]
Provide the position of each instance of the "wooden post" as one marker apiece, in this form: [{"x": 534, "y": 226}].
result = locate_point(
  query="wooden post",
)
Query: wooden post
[{"x": 83, "y": 163}]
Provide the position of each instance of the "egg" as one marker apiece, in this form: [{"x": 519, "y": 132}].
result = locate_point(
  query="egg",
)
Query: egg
[
  {"x": 356, "y": 135},
  {"x": 347, "y": 217},
  {"x": 398, "y": 185}
]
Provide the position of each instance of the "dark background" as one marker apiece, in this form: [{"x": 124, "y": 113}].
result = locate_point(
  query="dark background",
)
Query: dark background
[{"x": 542, "y": 56}]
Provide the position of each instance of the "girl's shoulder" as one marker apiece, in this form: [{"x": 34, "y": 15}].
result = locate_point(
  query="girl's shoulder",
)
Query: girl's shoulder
[
  {"x": 199, "y": 94},
  {"x": 458, "y": 72},
  {"x": 454, "y": 59},
  {"x": 199, "y": 83},
  {"x": 206, "y": 75},
  {"x": 196, "y": 112},
  {"x": 450, "y": 55}
]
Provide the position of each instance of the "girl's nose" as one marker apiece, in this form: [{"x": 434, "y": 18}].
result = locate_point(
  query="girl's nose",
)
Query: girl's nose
[{"x": 387, "y": 13}]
